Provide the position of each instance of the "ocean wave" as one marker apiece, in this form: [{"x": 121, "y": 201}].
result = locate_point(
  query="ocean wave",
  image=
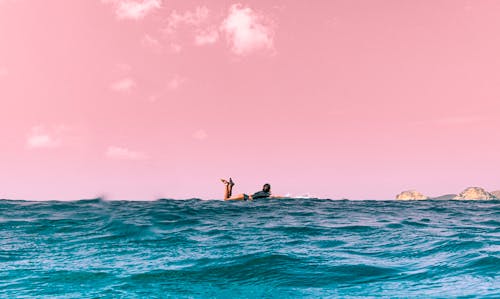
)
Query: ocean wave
[{"x": 289, "y": 248}]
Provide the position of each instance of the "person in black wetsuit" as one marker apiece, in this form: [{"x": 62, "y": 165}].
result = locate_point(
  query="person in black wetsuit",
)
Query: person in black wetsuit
[{"x": 265, "y": 193}]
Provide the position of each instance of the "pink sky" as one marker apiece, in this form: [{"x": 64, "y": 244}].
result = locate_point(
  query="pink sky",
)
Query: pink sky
[{"x": 132, "y": 99}]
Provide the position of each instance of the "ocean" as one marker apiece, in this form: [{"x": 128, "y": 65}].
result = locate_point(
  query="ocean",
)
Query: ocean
[{"x": 288, "y": 248}]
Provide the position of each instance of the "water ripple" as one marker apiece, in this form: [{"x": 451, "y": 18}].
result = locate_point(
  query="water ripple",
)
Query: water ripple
[{"x": 266, "y": 248}]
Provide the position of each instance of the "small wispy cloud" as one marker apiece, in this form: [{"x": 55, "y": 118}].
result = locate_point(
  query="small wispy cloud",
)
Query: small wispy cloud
[
  {"x": 175, "y": 82},
  {"x": 124, "y": 85},
  {"x": 196, "y": 23},
  {"x": 200, "y": 135},
  {"x": 190, "y": 18},
  {"x": 171, "y": 85},
  {"x": 150, "y": 42},
  {"x": 40, "y": 140},
  {"x": 206, "y": 37},
  {"x": 246, "y": 30},
  {"x": 41, "y": 136},
  {"x": 133, "y": 9},
  {"x": 122, "y": 153}
]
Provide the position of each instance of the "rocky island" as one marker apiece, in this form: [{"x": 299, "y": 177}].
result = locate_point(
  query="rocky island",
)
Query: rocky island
[
  {"x": 411, "y": 195},
  {"x": 496, "y": 193},
  {"x": 445, "y": 197},
  {"x": 470, "y": 193},
  {"x": 475, "y": 193}
]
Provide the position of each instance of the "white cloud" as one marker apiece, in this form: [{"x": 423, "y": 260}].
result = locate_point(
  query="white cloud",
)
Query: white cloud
[
  {"x": 246, "y": 32},
  {"x": 124, "y": 85},
  {"x": 43, "y": 137},
  {"x": 175, "y": 82},
  {"x": 206, "y": 37},
  {"x": 42, "y": 141},
  {"x": 121, "y": 153},
  {"x": 191, "y": 18},
  {"x": 171, "y": 85},
  {"x": 200, "y": 135},
  {"x": 195, "y": 23},
  {"x": 133, "y": 9},
  {"x": 148, "y": 41}
]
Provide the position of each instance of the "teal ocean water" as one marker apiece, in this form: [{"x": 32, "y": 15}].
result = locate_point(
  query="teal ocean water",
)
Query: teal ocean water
[{"x": 261, "y": 249}]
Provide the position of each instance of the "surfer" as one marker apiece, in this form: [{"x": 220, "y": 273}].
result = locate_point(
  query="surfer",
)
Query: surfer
[{"x": 265, "y": 193}]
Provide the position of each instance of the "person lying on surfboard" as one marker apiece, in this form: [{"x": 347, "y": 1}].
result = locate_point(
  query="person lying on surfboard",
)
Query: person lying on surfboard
[{"x": 265, "y": 193}]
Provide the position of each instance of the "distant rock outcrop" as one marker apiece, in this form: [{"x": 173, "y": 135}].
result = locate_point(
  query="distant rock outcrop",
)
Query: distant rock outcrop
[
  {"x": 496, "y": 193},
  {"x": 474, "y": 193},
  {"x": 445, "y": 197},
  {"x": 411, "y": 195}
]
